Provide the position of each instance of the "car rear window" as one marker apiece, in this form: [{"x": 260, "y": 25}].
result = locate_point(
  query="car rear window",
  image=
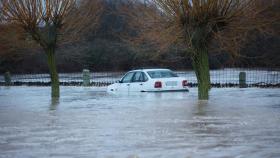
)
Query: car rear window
[{"x": 162, "y": 74}]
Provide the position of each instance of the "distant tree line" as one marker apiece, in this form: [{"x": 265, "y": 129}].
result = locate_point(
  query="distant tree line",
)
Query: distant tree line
[{"x": 106, "y": 49}]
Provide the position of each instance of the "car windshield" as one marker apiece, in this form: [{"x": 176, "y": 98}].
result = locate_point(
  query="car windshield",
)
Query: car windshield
[{"x": 162, "y": 74}]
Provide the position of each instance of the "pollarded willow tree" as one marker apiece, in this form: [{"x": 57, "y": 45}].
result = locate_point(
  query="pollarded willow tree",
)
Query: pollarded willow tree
[
  {"x": 198, "y": 24},
  {"x": 50, "y": 22}
]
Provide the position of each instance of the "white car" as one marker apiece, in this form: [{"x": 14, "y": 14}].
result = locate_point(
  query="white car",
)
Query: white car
[{"x": 149, "y": 80}]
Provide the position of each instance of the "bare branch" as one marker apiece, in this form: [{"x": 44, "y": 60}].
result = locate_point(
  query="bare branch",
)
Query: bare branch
[
  {"x": 48, "y": 21},
  {"x": 199, "y": 23}
]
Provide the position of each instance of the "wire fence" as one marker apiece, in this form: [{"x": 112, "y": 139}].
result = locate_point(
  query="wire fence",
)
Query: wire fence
[{"x": 228, "y": 77}]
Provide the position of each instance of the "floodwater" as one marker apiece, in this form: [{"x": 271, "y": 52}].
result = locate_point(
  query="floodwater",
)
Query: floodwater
[{"x": 90, "y": 123}]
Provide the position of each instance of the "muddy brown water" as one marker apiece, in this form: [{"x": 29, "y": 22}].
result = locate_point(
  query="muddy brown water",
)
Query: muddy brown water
[{"x": 90, "y": 123}]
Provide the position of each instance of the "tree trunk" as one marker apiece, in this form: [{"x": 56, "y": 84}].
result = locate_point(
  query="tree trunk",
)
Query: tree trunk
[
  {"x": 200, "y": 64},
  {"x": 53, "y": 73}
]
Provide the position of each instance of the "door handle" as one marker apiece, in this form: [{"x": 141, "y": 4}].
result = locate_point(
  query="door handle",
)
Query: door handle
[
  {"x": 141, "y": 84},
  {"x": 127, "y": 84}
]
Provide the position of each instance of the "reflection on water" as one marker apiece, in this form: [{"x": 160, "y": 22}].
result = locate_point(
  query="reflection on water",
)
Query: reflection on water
[
  {"x": 201, "y": 105},
  {"x": 88, "y": 122},
  {"x": 54, "y": 103}
]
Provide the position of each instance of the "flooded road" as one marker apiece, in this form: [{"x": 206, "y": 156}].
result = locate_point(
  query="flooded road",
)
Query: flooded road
[{"x": 90, "y": 123}]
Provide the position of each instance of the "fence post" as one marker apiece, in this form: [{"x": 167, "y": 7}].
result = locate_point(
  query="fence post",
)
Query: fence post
[
  {"x": 86, "y": 77},
  {"x": 242, "y": 80},
  {"x": 7, "y": 77}
]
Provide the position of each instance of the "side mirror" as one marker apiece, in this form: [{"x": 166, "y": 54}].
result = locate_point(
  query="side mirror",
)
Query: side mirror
[{"x": 119, "y": 81}]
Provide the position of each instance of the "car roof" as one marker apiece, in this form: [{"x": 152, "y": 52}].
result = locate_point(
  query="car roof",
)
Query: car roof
[{"x": 145, "y": 70}]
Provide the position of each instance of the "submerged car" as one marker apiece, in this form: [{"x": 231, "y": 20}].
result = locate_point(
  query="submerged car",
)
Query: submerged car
[{"x": 150, "y": 80}]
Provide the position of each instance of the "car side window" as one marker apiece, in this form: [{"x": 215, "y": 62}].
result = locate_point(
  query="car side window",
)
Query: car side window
[
  {"x": 127, "y": 78},
  {"x": 144, "y": 77},
  {"x": 137, "y": 77}
]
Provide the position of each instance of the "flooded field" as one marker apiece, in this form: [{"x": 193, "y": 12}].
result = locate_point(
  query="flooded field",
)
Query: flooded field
[{"x": 90, "y": 123}]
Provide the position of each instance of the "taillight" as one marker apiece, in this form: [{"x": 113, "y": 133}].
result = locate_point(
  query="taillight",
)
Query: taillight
[
  {"x": 158, "y": 84},
  {"x": 184, "y": 83}
]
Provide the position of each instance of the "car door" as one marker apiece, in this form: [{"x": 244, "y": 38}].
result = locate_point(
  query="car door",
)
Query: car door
[
  {"x": 138, "y": 82},
  {"x": 125, "y": 82}
]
